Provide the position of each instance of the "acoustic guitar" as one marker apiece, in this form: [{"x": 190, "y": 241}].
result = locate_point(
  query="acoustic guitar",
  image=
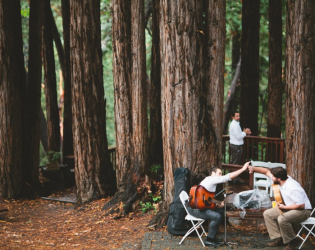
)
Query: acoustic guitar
[
  {"x": 201, "y": 198},
  {"x": 278, "y": 197}
]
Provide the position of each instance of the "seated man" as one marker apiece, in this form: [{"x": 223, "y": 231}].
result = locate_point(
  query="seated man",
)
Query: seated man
[
  {"x": 296, "y": 209},
  {"x": 215, "y": 216}
]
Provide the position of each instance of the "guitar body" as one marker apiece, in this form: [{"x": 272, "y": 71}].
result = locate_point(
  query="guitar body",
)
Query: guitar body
[
  {"x": 201, "y": 198},
  {"x": 277, "y": 195}
]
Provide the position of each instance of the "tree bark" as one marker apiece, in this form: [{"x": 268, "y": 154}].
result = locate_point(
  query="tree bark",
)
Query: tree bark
[
  {"x": 12, "y": 80},
  {"x": 300, "y": 90},
  {"x": 33, "y": 96},
  {"x": 275, "y": 70},
  {"x": 53, "y": 128},
  {"x": 250, "y": 65},
  {"x": 190, "y": 52},
  {"x": 95, "y": 177},
  {"x": 156, "y": 143},
  {"x": 67, "y": 143},
  {"x": 130, "y": 98}
]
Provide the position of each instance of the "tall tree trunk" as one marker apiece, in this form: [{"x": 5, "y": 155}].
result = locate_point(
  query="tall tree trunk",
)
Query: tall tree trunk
[
  {"x": 67, "y": 143},
  {"x": 52, "y": 113},
  {"x": 250, "y": 65},
  {"x": 236, "y": 49},
  {"x": 33, "y": 92},
  {"x": 130, "y": 97},
  {"x": 43, "y": 130},
  {"x": 94, "y": 172},
  {"x": 189, "y": 54},
  {"x": 12, "y": 80},
  {"x": 215, "y": 73},
  {"x": 156, "y": 143},
  {"x": 300, "y": 90},
  {"x": 275, "y": 69},
  {"x": 121, "y": 32}
]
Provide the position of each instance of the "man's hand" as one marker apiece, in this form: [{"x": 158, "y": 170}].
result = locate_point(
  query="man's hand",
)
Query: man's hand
[
  {"x": 251, "y": 169},
  {"x": 247, "y": 131},
  {"x": 246, "y": 165}
]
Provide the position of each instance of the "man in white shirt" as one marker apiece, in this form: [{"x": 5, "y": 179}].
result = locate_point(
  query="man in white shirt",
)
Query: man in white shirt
[
  {"x": 215, "y": 216},
  {"x": 236, "y": 141},
  {"x": 296, "y": 209}
]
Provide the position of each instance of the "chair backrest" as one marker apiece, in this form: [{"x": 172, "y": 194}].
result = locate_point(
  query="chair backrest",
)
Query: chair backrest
[
  {"x": 183, "y": 196},
  {"x": 260, "y": 176},
  {"x": 260, "y": 164},
  {"x": 274, "y": 165}
]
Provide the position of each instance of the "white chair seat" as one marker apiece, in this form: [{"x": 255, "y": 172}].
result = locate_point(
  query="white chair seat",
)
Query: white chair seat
[
  {"x": 196, "y": 222},
  {"x": 308, "y": 222}
]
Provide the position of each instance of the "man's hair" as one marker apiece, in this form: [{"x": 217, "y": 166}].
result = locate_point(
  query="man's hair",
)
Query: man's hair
[
  {"x": 233, "y": 113},
  {"x": 214, "y": 169},
  {"x": 279, "y": 172}
]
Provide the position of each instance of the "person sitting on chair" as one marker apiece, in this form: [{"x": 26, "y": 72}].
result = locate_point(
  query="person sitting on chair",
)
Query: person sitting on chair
[
  {"x": 215, "y": 216},
  {"x": 296, "y": 209}
]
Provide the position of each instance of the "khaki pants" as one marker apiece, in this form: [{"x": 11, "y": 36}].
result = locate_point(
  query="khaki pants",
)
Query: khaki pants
[{"x": 282, "y": 225}]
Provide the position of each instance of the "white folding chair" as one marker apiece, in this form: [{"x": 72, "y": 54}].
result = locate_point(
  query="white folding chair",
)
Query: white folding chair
[
  {"x": 274, "y": 165},
  {"x": 261, "y": 180},
  {"x": 196, "y": 222},
  {"x": 311, "y": 222}
]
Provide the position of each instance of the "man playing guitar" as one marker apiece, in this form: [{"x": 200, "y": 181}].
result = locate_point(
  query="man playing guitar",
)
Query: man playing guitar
[
  {"x": 296, "y": 209},
  {"x": 215, "y": 216}
]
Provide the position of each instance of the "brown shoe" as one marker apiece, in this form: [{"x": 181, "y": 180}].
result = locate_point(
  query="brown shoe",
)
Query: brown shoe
[{"x": 278, "y": 242}]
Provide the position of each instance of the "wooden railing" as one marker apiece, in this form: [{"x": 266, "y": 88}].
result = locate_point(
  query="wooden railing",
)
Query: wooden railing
[
  {"x": 254, "y": 148},
  {"x": 257, "y": 148}
]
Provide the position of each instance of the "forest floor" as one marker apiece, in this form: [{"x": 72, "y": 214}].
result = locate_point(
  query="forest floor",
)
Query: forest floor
[{"x": 48, "y": 224}]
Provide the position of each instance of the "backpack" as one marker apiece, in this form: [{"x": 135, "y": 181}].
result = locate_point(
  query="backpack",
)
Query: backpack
[{"x": 176, "y": 223}]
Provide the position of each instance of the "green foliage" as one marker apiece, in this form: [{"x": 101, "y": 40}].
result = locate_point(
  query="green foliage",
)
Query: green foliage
[
  {"x": 146, "y": 207},
  {"x": 155, "y": 168},
  {"x": 25, "y": 12},
  {"x": 52, "y": 157},
  {"x": 156, "y": 199}
]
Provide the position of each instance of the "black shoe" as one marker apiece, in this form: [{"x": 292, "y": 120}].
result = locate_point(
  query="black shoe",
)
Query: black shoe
[
  {"x": 211, "y": 243},
  {"x": 218, "y": 240}
]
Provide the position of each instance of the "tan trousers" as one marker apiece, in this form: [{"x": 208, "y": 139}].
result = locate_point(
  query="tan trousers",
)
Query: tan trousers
[{"x": 282, "y": 225}]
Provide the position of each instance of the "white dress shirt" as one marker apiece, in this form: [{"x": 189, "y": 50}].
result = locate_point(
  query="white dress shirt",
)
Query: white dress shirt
[
  {"x": 210, "y": 182},
  {"x": 293, "y": 193},
  {"x": 236, "y": 133}
]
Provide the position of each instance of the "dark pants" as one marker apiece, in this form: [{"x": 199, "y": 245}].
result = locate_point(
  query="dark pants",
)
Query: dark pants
[
  {"x": 236, "y": 153},
  {"x": 215, "y": 216}
]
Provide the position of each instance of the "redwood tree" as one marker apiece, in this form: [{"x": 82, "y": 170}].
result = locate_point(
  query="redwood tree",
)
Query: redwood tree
[
  {"x": 12, "y": 80},
  {"x": 192, "y": 38},
  {"x": 32, "y": 104},
  {"x": 67, "y": 143},
  {"x": 156, "y": 144},
  {"x": 94, "y": 172},
  {"x": 275, "y": 69},
  {"x": 130, "y": 98},
  {"x": 53, "y": 128},
  {"x": 250, "y": 65},
  {"x": 300, "y": 90}
]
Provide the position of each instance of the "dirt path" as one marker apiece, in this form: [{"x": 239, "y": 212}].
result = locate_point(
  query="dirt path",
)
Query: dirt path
[{"x": 44, "y": 224}]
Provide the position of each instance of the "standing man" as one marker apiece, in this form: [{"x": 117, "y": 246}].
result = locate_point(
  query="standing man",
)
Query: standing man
[
  {"x": 236, "y": 141},
  {"x": 296, "y": 209},
  {"x": 215, "y": 216}
]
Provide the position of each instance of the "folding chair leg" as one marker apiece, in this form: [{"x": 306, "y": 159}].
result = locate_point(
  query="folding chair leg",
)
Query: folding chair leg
[
  {"x": 195, "y": 228},
  {"x": 309, "y": 232}
]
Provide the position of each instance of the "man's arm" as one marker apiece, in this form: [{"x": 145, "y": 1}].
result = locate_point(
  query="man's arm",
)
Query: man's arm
[
  {"x": 261, "y": 170},
  {"x": 291, "y": 207},
  {"x": 238, "y": 172}
]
